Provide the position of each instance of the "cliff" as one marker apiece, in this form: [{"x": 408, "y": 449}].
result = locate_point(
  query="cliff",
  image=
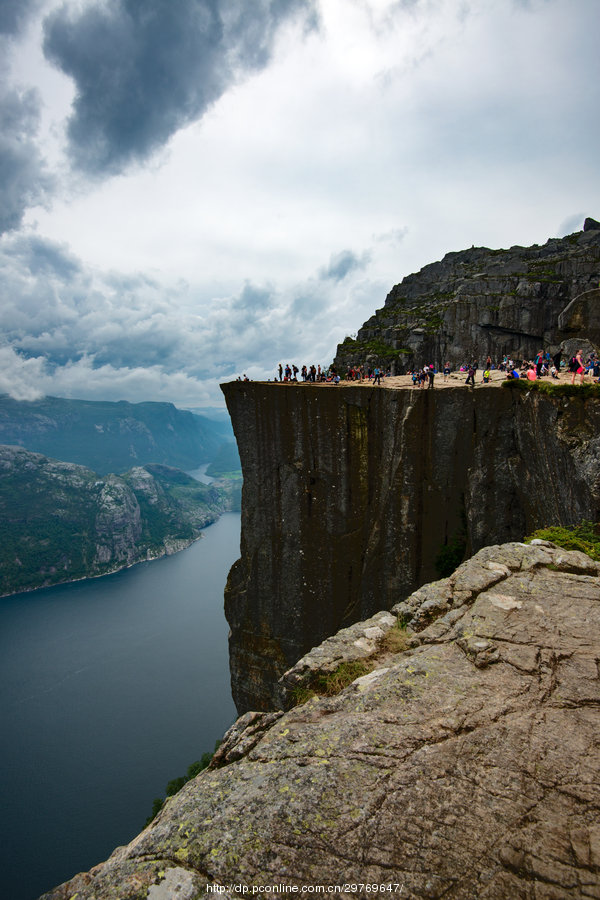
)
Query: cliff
[
  {"x": 60, "y": 521},
  {"x": 480, "y": 301},
  {"x": 352, "y": 493},
  {"x": 464, "y": 766}
]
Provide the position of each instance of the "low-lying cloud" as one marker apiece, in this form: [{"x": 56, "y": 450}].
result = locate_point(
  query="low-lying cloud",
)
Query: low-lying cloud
[{"x": 70, "y": 331}]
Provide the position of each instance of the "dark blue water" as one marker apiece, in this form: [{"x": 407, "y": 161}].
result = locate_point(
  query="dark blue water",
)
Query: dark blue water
[{"x": 109, "y": 688}]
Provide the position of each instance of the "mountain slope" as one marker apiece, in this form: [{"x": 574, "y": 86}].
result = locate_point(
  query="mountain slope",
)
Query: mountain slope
[
  {"x": 60, "y": 521},
  {"x": 481, "y": 302},
  {"x": 109, "y": 437}
]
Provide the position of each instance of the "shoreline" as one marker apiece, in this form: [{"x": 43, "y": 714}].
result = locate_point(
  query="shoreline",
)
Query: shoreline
[{"x": 159, "y": 555}]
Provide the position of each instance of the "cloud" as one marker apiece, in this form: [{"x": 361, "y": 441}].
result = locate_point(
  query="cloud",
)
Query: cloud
[
  {"x": 69, "y": 330},
  {"x": 341, "y": 264},
  {"x": 20, "y": 377},
  {"x": 14, "y": 14},
  {"x": 392, "y": 237},
  {"x": 144, "y": 70},
  {"x": 24, "y": 180},
  {"x": 571, "y": 224}
]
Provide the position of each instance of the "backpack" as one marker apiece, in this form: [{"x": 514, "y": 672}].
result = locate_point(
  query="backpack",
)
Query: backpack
[{"x": 573, "y": 364}]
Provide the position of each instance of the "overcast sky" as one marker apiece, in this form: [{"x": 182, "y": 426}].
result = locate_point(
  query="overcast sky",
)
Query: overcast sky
[{"x": 195, "y": 189}]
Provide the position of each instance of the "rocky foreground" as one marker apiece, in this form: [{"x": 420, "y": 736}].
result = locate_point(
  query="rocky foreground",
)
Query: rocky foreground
[{"x": 465, "y": 766}]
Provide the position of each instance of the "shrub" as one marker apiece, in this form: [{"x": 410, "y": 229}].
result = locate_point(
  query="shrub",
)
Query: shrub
[
  {"x": 328, "y": 684},
  {"x": 584, "y": 537},
  {"x": 396, "y": 640},
  {"x": 176, "y": 784}
]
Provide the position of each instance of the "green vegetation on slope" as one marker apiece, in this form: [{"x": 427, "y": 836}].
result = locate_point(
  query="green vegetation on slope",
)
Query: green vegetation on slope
[
  {"x": 60, "y": 521},
  {"x": 226, "y": 463},
  {"x": 176, "y": 784},
  {"x": 110, "y": 437},
  {"x": 584, "y": 537},
  {"x": 585, "y": 390}
]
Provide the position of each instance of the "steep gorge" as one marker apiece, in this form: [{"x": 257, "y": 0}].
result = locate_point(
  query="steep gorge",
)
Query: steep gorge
[{"x": 351, "y": 492}]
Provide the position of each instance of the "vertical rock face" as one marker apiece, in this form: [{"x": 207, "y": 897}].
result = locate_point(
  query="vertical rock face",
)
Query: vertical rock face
[{"x": 351, "y": 493}]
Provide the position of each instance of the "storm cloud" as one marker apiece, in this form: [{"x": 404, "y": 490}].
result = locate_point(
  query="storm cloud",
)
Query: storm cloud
[
  {"x": 144, "y": 70},
  {"x": 24, "y": 180},
  {"x": 14, "y": 14}
]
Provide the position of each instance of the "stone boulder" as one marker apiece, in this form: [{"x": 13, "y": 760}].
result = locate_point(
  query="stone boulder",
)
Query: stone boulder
[{"x": 467, "y": 766}]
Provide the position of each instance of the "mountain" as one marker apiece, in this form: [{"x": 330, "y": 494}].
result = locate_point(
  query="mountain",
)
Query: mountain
[
  {"x": 110, "y": 437},
  {"x": 60, "y": 521},
  {"x": 226, "y": 463},
  {"x": 481, "y": 302}
]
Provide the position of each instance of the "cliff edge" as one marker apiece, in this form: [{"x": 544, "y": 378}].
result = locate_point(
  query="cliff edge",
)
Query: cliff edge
[
  {"x": 467, "y": 765},
  {"x": 354, "y": 494}
]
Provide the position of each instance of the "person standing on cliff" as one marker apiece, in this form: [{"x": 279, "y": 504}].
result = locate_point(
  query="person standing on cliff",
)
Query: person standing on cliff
[
  {"x": 471, "y": 376},
  {"x": 578, "y": 367},
  {"x": 377, "y": 375},
  {"x": 539, "y": 362},
  {"x": 430, "y": 375}
]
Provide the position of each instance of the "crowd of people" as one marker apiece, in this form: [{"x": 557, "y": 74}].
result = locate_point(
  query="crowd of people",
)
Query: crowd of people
[
  {"x": 310, "y": 373},
  {"x": 330, "y": 375},
  {"x": 543, "y": 365}
]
